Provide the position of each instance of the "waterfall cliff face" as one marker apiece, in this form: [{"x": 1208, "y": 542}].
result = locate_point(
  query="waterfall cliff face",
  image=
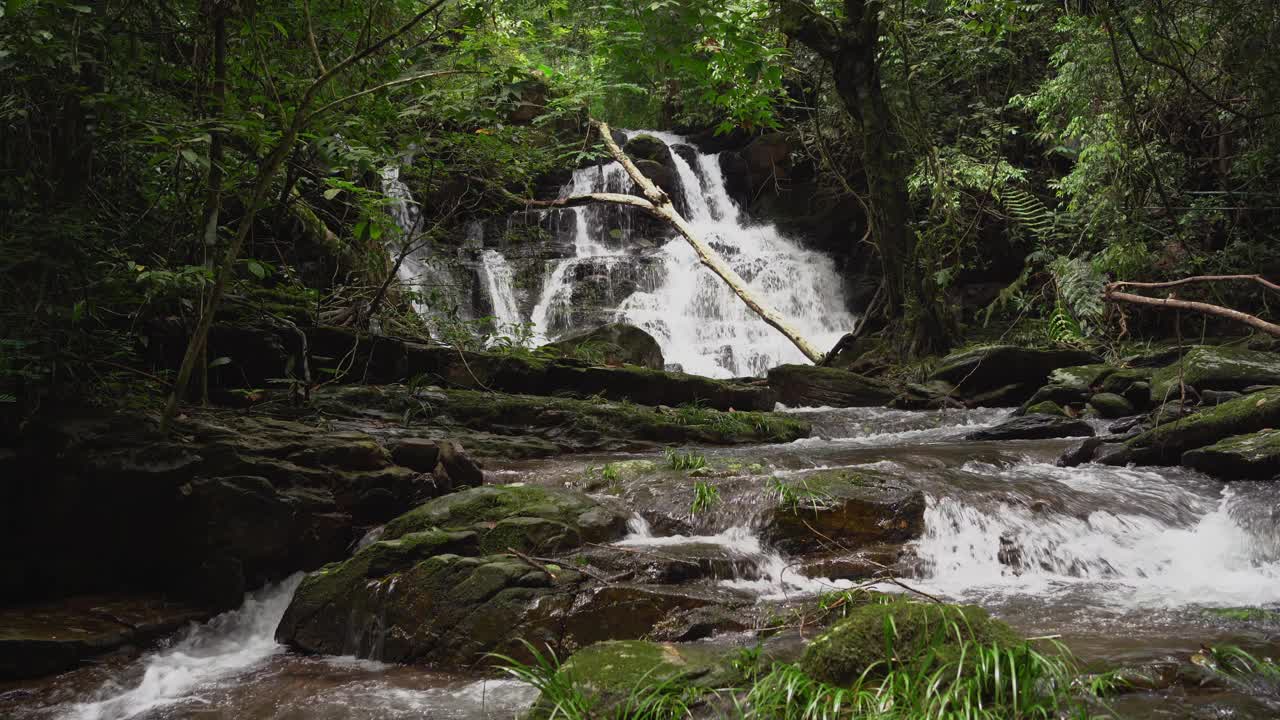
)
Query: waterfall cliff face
[{"x": 603, "y": 263}]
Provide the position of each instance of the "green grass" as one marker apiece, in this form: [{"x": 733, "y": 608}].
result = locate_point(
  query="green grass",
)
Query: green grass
[
  {"x": 705, "y": 496},
  {"x": 679, "y": 460},
  {"x": 955, "y": 677},
  {"x": 797, "y": 497}
]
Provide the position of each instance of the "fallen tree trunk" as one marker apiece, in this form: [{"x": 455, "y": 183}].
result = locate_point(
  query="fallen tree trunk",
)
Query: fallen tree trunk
[
  {"x": 1111, "y": 294},
  {"x": 657, "y": 203}
]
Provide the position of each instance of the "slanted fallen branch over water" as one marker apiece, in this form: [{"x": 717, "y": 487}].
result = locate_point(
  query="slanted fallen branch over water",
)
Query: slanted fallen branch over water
[{"x": 658, "y": 204}]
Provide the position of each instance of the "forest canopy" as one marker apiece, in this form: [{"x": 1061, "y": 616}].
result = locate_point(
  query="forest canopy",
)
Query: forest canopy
[{"x": 1003, "y": 160}]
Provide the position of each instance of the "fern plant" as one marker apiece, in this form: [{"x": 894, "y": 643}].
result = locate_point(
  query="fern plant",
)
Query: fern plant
[{"x": 1079, "y": 286}]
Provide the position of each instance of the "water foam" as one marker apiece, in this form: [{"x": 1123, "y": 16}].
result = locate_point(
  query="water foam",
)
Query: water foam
[{"x": 216, "y": 651}]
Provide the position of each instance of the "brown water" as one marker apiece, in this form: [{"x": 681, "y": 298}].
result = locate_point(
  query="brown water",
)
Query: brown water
[{"x": 1124, "y": 564}]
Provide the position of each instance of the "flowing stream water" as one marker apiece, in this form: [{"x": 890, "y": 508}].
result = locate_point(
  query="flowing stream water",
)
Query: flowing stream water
[{"x": 1126, "y": 565}]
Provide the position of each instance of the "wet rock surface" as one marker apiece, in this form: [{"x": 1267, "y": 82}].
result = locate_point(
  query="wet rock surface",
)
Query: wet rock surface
[
  {"x": 1034, "y": 427},
  {"x": 810, "y": 386},
  {"x": 1004, "y": 374}
]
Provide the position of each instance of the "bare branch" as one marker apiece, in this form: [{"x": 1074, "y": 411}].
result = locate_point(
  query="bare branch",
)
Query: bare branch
[
  {"x": 1196, "y": 279},
  {"x": 385, "y": 86},
  {"x": 1202, "y": 308}
]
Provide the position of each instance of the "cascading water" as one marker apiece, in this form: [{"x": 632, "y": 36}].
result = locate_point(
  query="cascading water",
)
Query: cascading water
[
  {"x": 497, "y": 277},
  {"x": 696, "y": 318}
]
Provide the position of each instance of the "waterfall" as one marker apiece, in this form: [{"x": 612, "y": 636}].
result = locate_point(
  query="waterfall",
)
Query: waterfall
[
  {"x": 612, "y": 275},
  {"x": 697, "y": 319},
  {"x": 497, "y": 280}
]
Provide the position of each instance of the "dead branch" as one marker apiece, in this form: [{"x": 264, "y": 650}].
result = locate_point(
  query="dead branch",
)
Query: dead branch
[
  {"x": 1195, "y": 279},
  {"x": 1112, "y": 295}
]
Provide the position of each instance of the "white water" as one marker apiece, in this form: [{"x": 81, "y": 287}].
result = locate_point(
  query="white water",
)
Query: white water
[
  {"x": 699, "y": 322},
  {"x": 1132, "y": 537},
  {"x": 497, "y": 277},
  {"x": 773, "y": 577},
  {"x": 218, "y": 650}
]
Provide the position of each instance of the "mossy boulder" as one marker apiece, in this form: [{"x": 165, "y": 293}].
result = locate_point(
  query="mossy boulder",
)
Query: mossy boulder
[
  {"x": 1166, "y": 443},
  {"x": 1216, "y": 368},
  {"x": 808, "y": 385},
  {"x": 1016, "y": 371},
  {"x": 529, "y": 518},
  {"x": 1046, "y": 407},
  {"x": 851, "y": 507},
  {"x": 1111, "y": 405},
  {"x": 608, "y": 673},
  {"x": 1082, "y": 377},
  {"x": 1252, "y": 456},
  {"x": 444, "y": 608},
  {"x": 613, "y": 344},
  {"x": 881, "y": 634}
]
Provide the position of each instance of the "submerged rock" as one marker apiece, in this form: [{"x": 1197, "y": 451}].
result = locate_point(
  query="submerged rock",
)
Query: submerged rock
[
  {"x": 1252, "y": 456},
  {"x": 807, "y": 386},
  {"x": 1034, "y": 427}
]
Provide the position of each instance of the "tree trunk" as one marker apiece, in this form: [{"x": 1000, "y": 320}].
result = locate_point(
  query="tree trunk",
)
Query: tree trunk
[
  {"x": 852, "y": 49},
  {"x": 213, "y": 193}
]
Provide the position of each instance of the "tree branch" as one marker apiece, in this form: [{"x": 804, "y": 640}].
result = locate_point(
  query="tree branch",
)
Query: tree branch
[
  {"x": 1202, "y": 308},
  {"x": 801, "y": 21},
  {"x": 1198, "y": 278},
  {"x": 385, "y": 86}
]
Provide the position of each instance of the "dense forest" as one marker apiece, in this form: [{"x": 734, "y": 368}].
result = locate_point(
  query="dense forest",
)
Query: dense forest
[{"x": 654, "y": 359}]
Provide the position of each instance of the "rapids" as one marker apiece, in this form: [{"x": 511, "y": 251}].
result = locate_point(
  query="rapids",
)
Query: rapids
[{"x": 1125, "y": 565}]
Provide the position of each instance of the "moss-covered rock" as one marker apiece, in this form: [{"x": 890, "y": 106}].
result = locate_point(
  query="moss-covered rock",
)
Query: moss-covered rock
[
  {"x": 606, "y": 674},
  {"x": 1110, "y": 405},
  {"x": 1252, "y": 456},
  {"x": 1020, "y": 370},
  {"x": 808, "y": 385},
  {"x": 529, "y": 518},
  {"x": 572, "y": 424},
  {"x": 874, "y": 635},
  {"x": 614, "y": 344},
  {"x": 1082, "y": 377},
  {"x": 850, "y": 507},
  {"x": 1166, "y": 443},
  {"x": 1046, "y": 407},
  {"x": 1216, "y": 368}
]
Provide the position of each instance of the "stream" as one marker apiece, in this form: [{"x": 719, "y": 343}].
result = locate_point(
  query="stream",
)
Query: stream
[{"x": 1123, "y": 564}]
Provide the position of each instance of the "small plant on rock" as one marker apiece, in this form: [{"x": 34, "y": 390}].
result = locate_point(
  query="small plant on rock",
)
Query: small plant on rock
[{"x": 705, "y": 496}]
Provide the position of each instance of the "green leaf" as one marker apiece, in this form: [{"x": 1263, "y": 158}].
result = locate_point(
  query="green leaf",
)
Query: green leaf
[
  {"x": 219, "y": 362},
  {"x": 331, "y": 193}
]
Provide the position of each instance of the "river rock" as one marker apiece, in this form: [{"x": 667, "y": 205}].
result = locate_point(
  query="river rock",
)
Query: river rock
[
  {"x": 607, "y": 673},
  {"x": 807, "y": 385},
  {"x": 457, "y": 469},
  {"x": 1252, "y": 456},
  {"x": 1083, "y": 378},
  {"x": 1110, "y": 405},
  {"x": 1034, "y": 427},
  {"x": 616, "y": 344},
  {"x": 843, "y": 510},
  {"x": 562, "y": 424},
  {"x": 1216, "y": 368},
  {"x": 908, "y": 630},
  {"x": 1046, "y": 407},
  {"x": 1017, "y": 371},
  {"x": 51, "y": 637},
  {"x": 1166, "y": 443}
]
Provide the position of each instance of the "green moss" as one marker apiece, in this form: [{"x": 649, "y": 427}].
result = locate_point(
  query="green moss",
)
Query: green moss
[
  {"x": 1047, "y": 407},
  {"x": 879, "y": 634},
  {"x": 1245, "y": 614},
  {"x": 1081, "y": 377},
  {"x": 1216, "y": 368},
  {"x": 1167, "y": 442}
]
